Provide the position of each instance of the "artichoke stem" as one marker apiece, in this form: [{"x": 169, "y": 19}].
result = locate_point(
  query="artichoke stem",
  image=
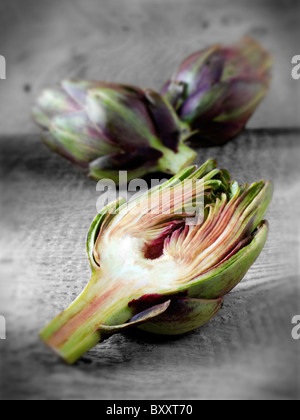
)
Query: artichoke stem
[
  {"x": 78, "y": 329},
  {"x": 172, "y": 163}
]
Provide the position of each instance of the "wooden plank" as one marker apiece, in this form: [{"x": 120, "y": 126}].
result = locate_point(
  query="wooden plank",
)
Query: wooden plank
[
  {"x": 139, "y": 42},
  {"x": 245, "y": 352}
]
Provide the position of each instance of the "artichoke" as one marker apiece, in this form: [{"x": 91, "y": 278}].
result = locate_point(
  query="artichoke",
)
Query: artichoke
[
  {"x": 216, "y": 90},
  {"x": 105, "y": 128},
  {"x": 155, "y": 268}
]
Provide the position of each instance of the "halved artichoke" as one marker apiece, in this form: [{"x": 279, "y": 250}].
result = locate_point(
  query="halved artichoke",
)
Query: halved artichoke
[{"x": 162, "y": 264}]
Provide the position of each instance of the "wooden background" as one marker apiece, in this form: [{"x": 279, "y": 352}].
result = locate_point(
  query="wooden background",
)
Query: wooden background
[{"x": 46, "y": 205}]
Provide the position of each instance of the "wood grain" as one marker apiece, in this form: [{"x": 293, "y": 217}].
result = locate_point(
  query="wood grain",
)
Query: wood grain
[{"x": 245, "y": 352}]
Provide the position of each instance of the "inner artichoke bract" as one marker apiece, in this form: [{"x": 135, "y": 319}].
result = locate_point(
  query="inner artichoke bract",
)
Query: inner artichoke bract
[
  {"x": 162, "y": 265},
  {"x": 105, "y": 128}
]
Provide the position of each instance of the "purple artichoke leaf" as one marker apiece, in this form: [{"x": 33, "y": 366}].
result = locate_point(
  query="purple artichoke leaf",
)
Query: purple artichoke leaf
[
  {"x": 242, "y": 99},
  {"x": 191, "y": 68},
  {"x": 124, "y": 120},
  {"x": 141, "y": 157},
  {"x": 165, "y": 120},
  {"x": 247, "y": 59},
  {"x": 210, "y": 73},
  {"x": 212, "y": 134},
  {"x": 205, "y": 104},
  {"x": 80, "y": 89},
  {"x": 76, "y": 134}
]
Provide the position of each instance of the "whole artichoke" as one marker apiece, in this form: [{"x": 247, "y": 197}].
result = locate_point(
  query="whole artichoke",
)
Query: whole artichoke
[
  {"x": 216, "y": 91},
  {"x": 106, "y": 128},
  {"x": 154, "y": 269}
]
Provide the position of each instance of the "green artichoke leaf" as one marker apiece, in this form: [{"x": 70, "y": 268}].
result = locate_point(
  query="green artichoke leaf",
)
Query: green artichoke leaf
[
  {"x": 103, "y": 217},
  {"x": 224, "y": 278},
  {"x": 183, "y": 315},
  {"x": 140, "y": 318}
]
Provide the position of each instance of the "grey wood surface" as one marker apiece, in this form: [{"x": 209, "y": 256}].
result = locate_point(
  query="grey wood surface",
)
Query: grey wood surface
[
  {"x": 139, "y": 42},
  {"x": 246, "y": 352}
]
